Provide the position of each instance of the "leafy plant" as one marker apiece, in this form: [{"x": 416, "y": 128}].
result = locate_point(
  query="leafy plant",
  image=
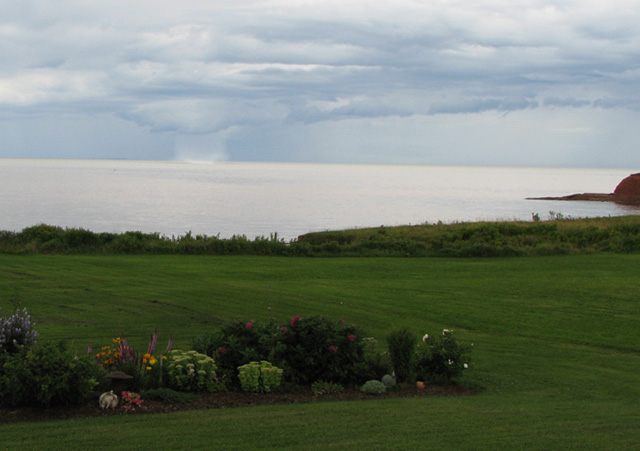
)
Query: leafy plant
[
  {"x": 316, "y": 348},
  {"x": 402, "y": 351},
  {"x": 388, "y": 380},
  {"x": 259, "y": 377},
  {"x": 47, "y": 375},
  {"x": 130, "y": 401},
  {"x": 146, "y": 369},
  {"x": 16, "y": 332},
  {"x": 441, "y": 359},
  {"x": 238, "y": 343},
  {"x": 373, "y": 387},
  {"x": 326, "y": 388},
  {"x": 191, "y": 371}
]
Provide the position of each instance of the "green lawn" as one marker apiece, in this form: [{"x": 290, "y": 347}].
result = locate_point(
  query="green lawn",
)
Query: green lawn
[{"x": 556, "y": 345}]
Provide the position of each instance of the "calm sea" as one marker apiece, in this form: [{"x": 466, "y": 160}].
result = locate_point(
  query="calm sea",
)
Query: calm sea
[{"x": 257, "y": 199}]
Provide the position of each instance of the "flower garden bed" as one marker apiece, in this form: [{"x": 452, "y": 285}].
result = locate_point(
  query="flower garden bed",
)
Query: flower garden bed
[{"x": 218, "y": 400}]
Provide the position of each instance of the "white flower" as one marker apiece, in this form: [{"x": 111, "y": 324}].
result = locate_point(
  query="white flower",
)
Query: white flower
[
  {"x": 465, "y": 366},
  {"x": 445, "y": 331},
  {"x": 450, "y": 362},
  {"x": 426, "y": 337}
]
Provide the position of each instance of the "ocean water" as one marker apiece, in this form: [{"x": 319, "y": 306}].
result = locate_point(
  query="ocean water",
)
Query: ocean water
[{"x": 258, "y": 199}]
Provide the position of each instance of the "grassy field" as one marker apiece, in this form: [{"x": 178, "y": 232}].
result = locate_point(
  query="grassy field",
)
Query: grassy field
[{"x": 556, "y": 345}]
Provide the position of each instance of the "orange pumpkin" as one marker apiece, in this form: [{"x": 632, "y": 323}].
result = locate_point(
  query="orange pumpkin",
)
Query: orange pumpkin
[{"x": 420, "y": 385}]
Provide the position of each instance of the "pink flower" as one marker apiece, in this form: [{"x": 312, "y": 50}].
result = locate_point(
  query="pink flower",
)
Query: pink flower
[
  {"x": 341, "y": 320},
  {"x": 249, "y": 325},
  {"x": 294, "y": 320},
  {"x": 352, "y": 337},
  {"x": 333, "y": 348},
  {"x": 284, "y": 331},
  {"x": 223, "y": 350}
]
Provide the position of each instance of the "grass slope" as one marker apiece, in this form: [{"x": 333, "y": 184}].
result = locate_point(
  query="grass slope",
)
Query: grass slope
[{"x": 556, "y": 345}]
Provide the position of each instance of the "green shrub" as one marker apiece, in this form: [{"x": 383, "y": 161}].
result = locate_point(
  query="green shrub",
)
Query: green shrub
[
  {"x": 388, "y": 380},
  {"x": 316, "y": 348},
  {"x": 16, "y": 332},
  {"x": 47, "y": 375},
  {"x": 441, "y": 359},
  {"x": 259, "y": 377},
  {"x": 373, "y": 387},
  {"x": 326, "y": 388},
  {"x": 192, "y": 372},
  {"x": 238, "y": 343},
  {"x": 308, "y": 349},
  {"x": 402, "y": 351}
]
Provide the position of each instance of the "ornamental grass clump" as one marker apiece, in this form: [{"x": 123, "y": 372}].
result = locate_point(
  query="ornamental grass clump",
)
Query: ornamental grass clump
[
  {"x": 191, "y": 371},
  {"x": 402, "y": 351},
  {"x": 259, "y": 377}
]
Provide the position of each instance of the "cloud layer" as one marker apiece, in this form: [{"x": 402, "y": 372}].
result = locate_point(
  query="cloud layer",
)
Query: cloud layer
[{"x": 407, "y": 81}]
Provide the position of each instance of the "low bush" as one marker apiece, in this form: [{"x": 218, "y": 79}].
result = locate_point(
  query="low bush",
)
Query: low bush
[
  {"x": 373, "y": 387},
  {"x": 441, "y": 359},
  {"x": 47, "y": 375},
  {"x": 316, "y": 348},
  {"x": 192, "y": 372},
  {"x": 307, "y": 349},
  {"x": 238, "y": 343},
  {"x": 259, "y": 377},
  {"x": 16, "y": 332}
]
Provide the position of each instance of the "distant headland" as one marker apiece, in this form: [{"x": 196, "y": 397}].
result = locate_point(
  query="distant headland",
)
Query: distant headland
[{"x": 627, "y": 192}]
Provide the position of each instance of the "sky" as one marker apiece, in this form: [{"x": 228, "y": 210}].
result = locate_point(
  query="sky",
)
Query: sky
[{"x": 435, "y": 82}]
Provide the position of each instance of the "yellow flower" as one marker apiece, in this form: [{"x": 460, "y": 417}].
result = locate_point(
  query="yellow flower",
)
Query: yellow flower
[
  {"x": 153, "y": 361},
  {"x": 149, "y": 368}
]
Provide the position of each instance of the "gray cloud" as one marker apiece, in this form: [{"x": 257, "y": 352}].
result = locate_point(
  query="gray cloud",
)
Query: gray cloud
[{"x": 245, "y": 72}]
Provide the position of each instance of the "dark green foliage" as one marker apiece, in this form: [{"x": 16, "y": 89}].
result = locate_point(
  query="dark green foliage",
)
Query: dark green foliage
[
  {"x": 316, "y": 348},
  {"x": 238, "y": 343},
  {"x": 402, "y": 351},
  {"x": 47, "y": 375},
  {"x": 326, "y": 388},
  {"x": 308, "y": 349},
  {"x": 168, "y": 396},
  {"x": 441, "y": 359},
  {"x": 373, "y": 387},
  {"x": 482, "y": 239}
]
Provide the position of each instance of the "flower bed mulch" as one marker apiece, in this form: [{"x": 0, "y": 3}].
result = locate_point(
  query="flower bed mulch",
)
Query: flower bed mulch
[{"x": 216, "y": 401}]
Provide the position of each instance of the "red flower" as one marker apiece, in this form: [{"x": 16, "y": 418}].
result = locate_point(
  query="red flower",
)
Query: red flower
[
  {"x": 341, "y": 320},
  {"x": 249, "y": 325},
  {"x": 294, "y": 320},
  {"x": 223, "y": 350},
  {"x": 352, "y": 337},
  {"x": 333, "y": 348},
  {"x": 284, "y": 331}
]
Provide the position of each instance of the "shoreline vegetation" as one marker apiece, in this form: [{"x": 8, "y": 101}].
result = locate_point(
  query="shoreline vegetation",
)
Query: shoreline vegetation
[{"x": 556, "y": 236}]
